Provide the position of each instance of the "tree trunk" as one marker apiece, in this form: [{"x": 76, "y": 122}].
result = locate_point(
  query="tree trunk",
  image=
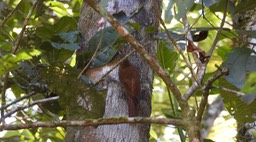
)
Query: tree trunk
[
  {"x": 116, "y": 100},
  {"x": 246, "y": 21}
]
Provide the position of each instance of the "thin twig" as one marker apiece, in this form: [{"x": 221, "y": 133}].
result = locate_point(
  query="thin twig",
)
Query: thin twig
[
  {"x": 206, "y": 91},
  {"x": 17, "y": 43},
  {"x": 25, "y": 23},
  {"x": 219, "y": 31},
  {"x": 201, "y": 72},
  {"x": 94, "y": 54},
  {"x": 139, "y": 48},
  {"x": 11, "y": 13},
  {"x": 18, "y": 100},
  {"x": 178, "y": 48},
  {"x": 3, "y": 98},
  {"x": 113, "y": 67},
  {"x": 31, "y": 104},
  {"x": 95, "y": 122},
  {"x": 229, "y": 90}
]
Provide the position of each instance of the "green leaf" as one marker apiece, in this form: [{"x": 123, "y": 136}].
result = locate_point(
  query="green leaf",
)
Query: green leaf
[
  {"x": 239, "y": 63},
  {"x": 241, "y": 111},
  {"x": 46, "y": 32},
  {"x": 58, "y": 8},
  {"x": 249, "y": 98},
  {"x": 167, "y": 57},
  {"x": 171, "y": 114},
  {"x": 70, "y": 46},
  {"x": 70, "y": 37},
  {"x": 250, "y": 83},
  {"x": 168, "y": 13},
  {"x": 27, "y": 134},
  {"x": 10, "y": 61},
  {"x": 218, "y": 7},
  {"x": 52, "y": 54},
  {"x": 103, "y": 57},
  {"x": 153, "y": 134},
  {"x": 106, "y": 52},
  {"x": 65, "y": 24},
  {"x": 183, "y": 6},
  {"x": 245, "y": 5},
  {"x": 17, "y": 91},
  {"x": 83, "y": 100}
]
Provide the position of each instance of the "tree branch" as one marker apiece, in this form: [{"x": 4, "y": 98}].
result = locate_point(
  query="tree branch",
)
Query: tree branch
[
  {"x": 18, "y": 100},
  {"x": 31, "y": 104},
  {"x": 229, "y": 90},
  {"x": 146, "y": 56},
  {"x": 94, "y": 122},
  {"x": 11, "y": 13},
  {"x": 206, "y": 90},
  {"x": 201, "y": 71},
  {"x": 16, "y": 46},
  {"x": 151, "y": 61}
]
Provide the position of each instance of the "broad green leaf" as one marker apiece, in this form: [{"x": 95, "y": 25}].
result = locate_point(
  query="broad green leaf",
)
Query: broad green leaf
[
  {"x": 54, "y": 54},
  {"x": 65, "y": 24},
  {"x": 46, "y": 32},
  {"x": 17, "y": 91},
  {"x": 237, "y": 63},
  {"x": 222, "y": 51},
  {"x": 103, "y": 57},
  {"x": 153, "y": 134},
  {"x": 10, "y": 61},
  {"x": 241, "y": 111},
  {"x": 183, "y": 6},
  {"x": 168, "y": 13},
  {"x": 70, "y": 46},
  {"x": 106, "y": 52},
  {"x": 245, "y": 5},
  {"x": 27, "y": 134},
  {"x": 83, "y": 100},
  {"x": 58, "y": 8},
  {"x": 249, "y": 98},
  {"x": 167, "y": 57},
  {"x": 70, "y": 37},
  {"x": 218, "y": 6},
  {"x": 108, "y": 36},
  {"x": 250, "y": 83},
  {"x": 171, "y": 114}
]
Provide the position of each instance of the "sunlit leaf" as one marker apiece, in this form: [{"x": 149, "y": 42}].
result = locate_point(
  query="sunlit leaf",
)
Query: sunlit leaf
[
  {"x": 153, "y": 134},
  {"x": 250, "y": 83},
  {"x": 58, "y": 8},
  {"x": 10, "y": 61}
]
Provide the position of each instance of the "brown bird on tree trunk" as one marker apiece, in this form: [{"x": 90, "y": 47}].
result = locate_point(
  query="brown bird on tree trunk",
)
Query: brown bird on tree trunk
[{"x": 130, "y": 80}]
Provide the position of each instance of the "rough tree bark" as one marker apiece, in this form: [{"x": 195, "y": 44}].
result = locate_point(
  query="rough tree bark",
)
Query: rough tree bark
[
  {"x": 246, "y": 21},
  {"x": 116, "y": 101}
]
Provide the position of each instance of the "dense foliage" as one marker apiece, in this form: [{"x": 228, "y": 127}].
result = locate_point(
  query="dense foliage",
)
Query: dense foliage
[{"x": 38, "y": 43}]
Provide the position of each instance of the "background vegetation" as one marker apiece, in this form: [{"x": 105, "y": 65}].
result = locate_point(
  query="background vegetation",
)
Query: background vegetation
[{"x": 38, "y": 40}]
